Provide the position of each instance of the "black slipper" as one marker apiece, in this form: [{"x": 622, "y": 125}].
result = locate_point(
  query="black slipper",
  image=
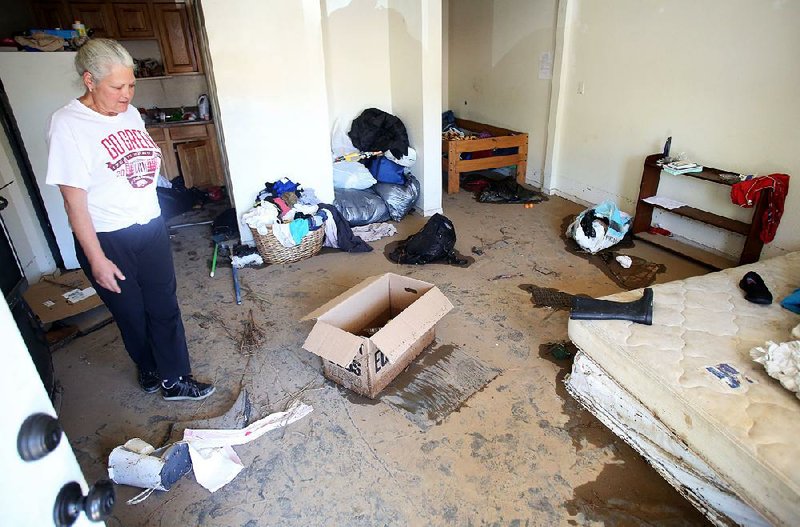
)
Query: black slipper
[{"x": 755, "y": 289}]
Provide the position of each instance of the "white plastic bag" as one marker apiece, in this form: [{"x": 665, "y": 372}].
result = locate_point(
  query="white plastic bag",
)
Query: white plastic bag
[
  {"x": 352, "y": 174},
  {"x": 609, "y": 225},
  {"x": 340, "y": 142}
]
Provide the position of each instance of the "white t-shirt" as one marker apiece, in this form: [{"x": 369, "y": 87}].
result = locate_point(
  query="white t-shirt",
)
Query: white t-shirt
[{"x": 113, "y": 158}]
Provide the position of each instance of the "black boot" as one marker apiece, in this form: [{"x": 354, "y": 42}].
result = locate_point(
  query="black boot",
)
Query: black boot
[{"x": 639, "y": 311}]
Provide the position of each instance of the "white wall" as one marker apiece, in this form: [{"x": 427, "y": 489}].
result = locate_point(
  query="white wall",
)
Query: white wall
[
  {"x": 37, "y": 85},
  {"x": 415, "y": 55},
  {"x": 719, "y": 76},
  {"x": 356, "y": 40},
  {"x": 20, "y": 218},
  {"x": 269, "y": 70},
  {"x": 493, "y": 61}
]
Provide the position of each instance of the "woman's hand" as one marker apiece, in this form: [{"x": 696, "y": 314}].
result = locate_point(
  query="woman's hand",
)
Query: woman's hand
[{"x": 106, "y": 273}]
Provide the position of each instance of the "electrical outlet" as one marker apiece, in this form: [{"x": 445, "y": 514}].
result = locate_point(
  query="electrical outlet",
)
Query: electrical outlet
[{"x": 581, "y": 87}]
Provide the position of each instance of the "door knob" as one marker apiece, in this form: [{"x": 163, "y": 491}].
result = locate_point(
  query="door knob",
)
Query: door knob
[
  {"x": 39, "y": 435},
  {"x": 97, "y": 504}
]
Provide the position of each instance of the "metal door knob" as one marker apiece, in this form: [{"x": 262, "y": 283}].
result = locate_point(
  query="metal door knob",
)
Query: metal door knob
[
  {"x": 70, "y": 502},
  {"x": 39, "y": 435}
]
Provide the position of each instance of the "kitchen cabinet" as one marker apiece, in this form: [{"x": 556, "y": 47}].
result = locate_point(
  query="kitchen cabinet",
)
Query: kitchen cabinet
[
  {"x": 134, "y": 21},
  {"x": 178, "y": 40},
  {"x": 99, "y": 17},
  {"x": 170, "y": 23},
  {"x": 51, "y": 15},
  {"x": 191, "y": 151}
]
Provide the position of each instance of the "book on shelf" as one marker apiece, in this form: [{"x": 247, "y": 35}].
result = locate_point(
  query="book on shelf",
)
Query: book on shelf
[{"x": 682, "y": 167}]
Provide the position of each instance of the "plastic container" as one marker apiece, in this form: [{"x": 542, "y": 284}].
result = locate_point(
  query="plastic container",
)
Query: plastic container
[
  {"x": 203, "y": 108},
  {"x": 79, "y": 28}
]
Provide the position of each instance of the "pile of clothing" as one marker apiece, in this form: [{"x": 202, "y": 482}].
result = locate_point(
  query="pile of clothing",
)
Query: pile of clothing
[
  {"x": 290, "y": 212},
  {"x": 371, "y": 168}
]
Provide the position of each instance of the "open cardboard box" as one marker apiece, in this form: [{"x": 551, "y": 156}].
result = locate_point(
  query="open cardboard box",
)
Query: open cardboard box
[{"x": 367, "y": 335}]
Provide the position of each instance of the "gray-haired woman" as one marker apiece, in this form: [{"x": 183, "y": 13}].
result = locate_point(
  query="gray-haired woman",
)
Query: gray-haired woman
[{"x": 106, "y": 166}]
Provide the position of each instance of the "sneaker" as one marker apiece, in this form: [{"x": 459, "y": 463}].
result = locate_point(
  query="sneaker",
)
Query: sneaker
[
  {"x": 149, "y": 381},
  {"x": 186, "y": 388}
]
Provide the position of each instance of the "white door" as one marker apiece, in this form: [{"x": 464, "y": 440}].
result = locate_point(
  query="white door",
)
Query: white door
[{"x": 29, "y": 489}]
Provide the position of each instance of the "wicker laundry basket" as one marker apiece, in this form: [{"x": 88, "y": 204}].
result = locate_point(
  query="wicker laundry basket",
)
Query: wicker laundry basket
[{"x": 273, "y": 251}]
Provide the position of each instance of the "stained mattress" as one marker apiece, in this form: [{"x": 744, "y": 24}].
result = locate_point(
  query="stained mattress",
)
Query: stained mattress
[{"x": 692, "y": 370}]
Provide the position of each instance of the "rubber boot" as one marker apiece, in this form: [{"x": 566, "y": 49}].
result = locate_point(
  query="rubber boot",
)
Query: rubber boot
[{"x": 639, "y": 311}]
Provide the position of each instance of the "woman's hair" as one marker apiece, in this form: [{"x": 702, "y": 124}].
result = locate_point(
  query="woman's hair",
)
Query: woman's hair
[{"x": 99, "y": 55}]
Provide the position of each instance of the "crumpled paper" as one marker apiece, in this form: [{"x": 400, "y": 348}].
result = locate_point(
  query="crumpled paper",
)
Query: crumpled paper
[
  {"x": 781, "y": 361},
  {"x": 215, "y": 463}
]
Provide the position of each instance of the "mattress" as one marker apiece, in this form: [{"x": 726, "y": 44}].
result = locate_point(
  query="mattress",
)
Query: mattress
[{"x": 691, "y": 371}]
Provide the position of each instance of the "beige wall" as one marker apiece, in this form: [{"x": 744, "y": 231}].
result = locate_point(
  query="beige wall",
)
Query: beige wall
[
  {"x": 719, "y": 76},
  {"x": 415, "y": 56},
  {"x": 357, "y": 70},
  {"x": 493, "y": 67},
  {"x": 272, "y": 96}
]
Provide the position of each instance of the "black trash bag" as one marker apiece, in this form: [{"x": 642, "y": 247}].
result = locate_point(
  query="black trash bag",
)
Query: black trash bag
[
  {"x": 436, "y": 241},
  {"x": 360, "y": 207},
  {"x": 225, "y": 226},
  {"x": 377, "y": 131},
  {"x": 399, "y": 198},
  {"x": 174, "y": 202},
  {"x": 509, "y": 191}
]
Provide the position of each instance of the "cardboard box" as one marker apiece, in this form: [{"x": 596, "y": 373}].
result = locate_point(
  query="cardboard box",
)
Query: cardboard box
[
  {"x": 369, "y": 334},
  {"x": 46, "y": 298}
]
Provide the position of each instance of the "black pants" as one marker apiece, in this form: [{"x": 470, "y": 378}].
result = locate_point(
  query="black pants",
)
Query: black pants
[{"x": 146, "y": 310}]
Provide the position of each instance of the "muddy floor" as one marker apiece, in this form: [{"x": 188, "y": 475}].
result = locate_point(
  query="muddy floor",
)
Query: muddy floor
[{"x": 500, "y": 442}]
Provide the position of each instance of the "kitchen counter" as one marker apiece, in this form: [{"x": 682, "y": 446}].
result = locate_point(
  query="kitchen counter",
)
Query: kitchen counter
[{"x": 173, "y": 124}]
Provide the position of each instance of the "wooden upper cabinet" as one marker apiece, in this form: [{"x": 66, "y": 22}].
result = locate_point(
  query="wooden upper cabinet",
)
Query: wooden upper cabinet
[
  {"x": 178, "y": 43},
  {"x": 98, "y": 17},
  {"x": 134, "y": 20},
  {"x": 49, "y": 15}
]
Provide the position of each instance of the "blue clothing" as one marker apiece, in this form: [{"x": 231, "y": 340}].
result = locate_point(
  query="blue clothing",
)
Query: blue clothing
[
  {"x": 298, "y": 228},
  {"x": 792, "y": 302}
]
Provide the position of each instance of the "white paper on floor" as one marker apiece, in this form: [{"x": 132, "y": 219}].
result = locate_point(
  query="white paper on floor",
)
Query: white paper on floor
[{"x": 215, "y": 463}]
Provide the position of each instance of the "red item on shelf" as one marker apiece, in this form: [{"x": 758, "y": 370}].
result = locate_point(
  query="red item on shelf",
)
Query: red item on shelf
[
  {"x": 746, "y": 193},
  {"x": 659, "y": 230}
]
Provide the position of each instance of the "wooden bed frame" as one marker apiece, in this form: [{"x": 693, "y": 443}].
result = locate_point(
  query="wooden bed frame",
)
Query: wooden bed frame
[{"x": 501, "y": 138}]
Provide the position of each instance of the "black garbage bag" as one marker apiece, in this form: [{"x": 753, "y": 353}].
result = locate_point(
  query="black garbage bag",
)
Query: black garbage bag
[
  {"x": 507, "y": 190},
  {"x": 360, "y": 207},
  {"x": 399, "y": 198},
  {"x": 174, "y": 201},
  {"x": 225, "y": 226},
  {"x": 436, "y": 241},
  {"x": 377, "y": 131}
]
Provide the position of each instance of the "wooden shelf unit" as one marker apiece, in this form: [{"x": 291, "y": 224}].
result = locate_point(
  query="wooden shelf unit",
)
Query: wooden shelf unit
[{"x": 651, "y": 177}]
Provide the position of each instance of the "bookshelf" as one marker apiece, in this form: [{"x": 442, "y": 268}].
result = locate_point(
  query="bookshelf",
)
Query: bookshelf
[{"x": 651, "y": 177}]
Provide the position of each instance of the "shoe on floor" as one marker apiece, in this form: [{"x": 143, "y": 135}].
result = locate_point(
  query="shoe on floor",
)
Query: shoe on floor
[
  {"x": 149, "y": 381},
  {"x": 186, "y": 389},
  {"x": 755, "y": 289}
]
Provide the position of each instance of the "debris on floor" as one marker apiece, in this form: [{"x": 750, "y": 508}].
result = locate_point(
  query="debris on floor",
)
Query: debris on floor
[
  {"x": 214, "y": 461},
  {"x": 548, "y": 297},
  {"x": 562, "y": 350},
  {"x": 599, "y": 227},
  {"x": 641, "y": 273},
  {"x": 207, "y": 452},
  {"x": 435, "y": 242},
  {"x": 491, "y": 186}
]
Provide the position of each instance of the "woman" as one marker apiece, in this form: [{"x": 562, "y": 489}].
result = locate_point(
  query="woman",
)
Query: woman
[{"x": 106, "y": 166}]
